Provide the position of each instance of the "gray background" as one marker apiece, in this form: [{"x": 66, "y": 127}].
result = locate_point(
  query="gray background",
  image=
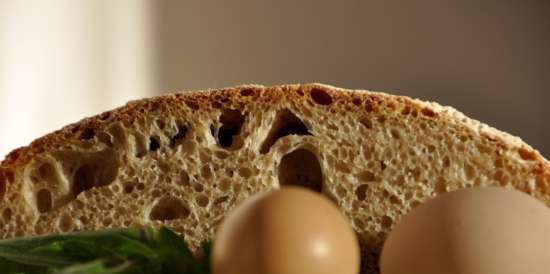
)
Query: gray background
[{"x": 489, "y": 59}]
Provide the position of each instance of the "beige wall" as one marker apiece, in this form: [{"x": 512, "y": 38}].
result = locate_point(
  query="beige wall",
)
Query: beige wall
[
  {"x": 62, "y": 60},
  {"x": 490, "y": 59}
]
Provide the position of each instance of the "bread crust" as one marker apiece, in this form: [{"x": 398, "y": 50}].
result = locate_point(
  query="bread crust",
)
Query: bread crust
[{"x": 21, "y": 156}]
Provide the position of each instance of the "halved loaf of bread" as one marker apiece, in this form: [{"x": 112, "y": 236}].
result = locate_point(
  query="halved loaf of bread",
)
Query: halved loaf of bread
[{"x": 183, "y": 160}]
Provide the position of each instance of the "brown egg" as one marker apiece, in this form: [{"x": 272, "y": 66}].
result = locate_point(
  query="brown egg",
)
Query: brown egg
[
  {"x": 286, "y": 231},
  {"x": 476, "y": 231}
]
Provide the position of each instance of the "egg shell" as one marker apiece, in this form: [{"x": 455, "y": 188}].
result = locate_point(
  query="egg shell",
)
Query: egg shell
[
  {"x": 475, "y": 231},
  {"x": 286, "y": 231}
]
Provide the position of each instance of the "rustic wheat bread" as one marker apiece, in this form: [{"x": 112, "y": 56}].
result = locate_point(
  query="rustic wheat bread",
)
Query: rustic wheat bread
[{"x": 185, "y": 159}]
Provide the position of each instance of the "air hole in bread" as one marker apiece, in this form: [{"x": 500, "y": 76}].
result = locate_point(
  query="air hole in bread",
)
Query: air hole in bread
[
  {"x": 221, "y": 154},
  {"x": 400, "y": 180},
  {"x": 361, "y": 192},
  {"x": 87, "y": 134},
  {"x": 128, "y": 223},
  {"x": 115, "y": 188},
  {"x": 46, "y": 172},
  {"x": 180, "y": 135},
  {"x": 231, "y": 122},
  {"x": 43, "y": 200},
  {"x": 286, "y": 123},
  {"x": 206, "y": 172},
  {"x": 169, "y": 208},
  {"x": 368, "y": 152},
  {"x": 192, "y": 104},
  {"x": 247, "y": 92},
  {"x": 107, "y": 222},
  {"x": 184, "y": 178},
  {"x": 446, "y": 162},
  {"x": 431, "y": 148},
  {"x": 386, "y": 222},
  {"x": 154, "y": 143},
  {"x": 156, "y": 193},
  {"x": 205, "y": 155},
  {"x": 224, "y": 185},
  {"x": 198, "y": 187},
  {"x": 343, "y": 167},
  {"x": 369, "y": 106},
  {"x": 202, "y": 200},
  {"x": 416, "y": 174},
  {"x": 365, "y": 121},
  {"x": 395, "y": 133},
  {"x": 394, "y": 199},
  {"x": 527, "y": 155},
  {"x": 341, "y": 192},
  {"x": 245, "y": 172},
  {"x": 501, "y": 178},
  {"x": 99, "y": 170},
  {"x": 84, "y": 179},
  {"x": 84, "y": 220},
  {"x": 216, "y": 104},
  {"x": 221, "y": 200},
  {"x": 332, "y": 127},
  {"x": 160, "y": 124},
  {"x": 140, "y": 186},
  {"x": 65, "y": 223},
  {"x": 428, "y": 112},
  {"x": 320, "y": 96},
  {"x": 6, "y": 214},
  {"x": 301, "y": 168},
  {"x": 128, "y": 188},
  {"x": 406, "y": 110},
  {"x": 105, "y": 138},
  {"x": 366, "y": 176}
]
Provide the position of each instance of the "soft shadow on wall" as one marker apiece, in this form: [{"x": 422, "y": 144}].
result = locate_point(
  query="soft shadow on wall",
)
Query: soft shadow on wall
[
  {"x": 62, "y": 60},
  {"x": 489, "y": 59}
]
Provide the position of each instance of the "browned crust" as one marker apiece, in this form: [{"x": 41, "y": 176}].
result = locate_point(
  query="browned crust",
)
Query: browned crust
[{"x": 206, "y": 100}]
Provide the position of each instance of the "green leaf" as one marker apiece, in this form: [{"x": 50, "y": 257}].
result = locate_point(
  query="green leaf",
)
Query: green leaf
[
  {"x": 27, "y": 257},
  {"x": 127, "y": 251},
  {"x": 95, "y": 267}
]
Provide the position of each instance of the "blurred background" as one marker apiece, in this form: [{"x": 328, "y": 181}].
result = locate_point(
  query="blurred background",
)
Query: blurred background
[{"x": 61, "y": 60}]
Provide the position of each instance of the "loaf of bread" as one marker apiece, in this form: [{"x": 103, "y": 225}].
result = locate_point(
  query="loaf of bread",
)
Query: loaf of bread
[{"x": 183, "y": 160}]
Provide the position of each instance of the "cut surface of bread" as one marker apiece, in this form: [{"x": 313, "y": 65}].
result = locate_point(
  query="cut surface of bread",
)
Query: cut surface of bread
[{"x": 185, "y": 159}]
